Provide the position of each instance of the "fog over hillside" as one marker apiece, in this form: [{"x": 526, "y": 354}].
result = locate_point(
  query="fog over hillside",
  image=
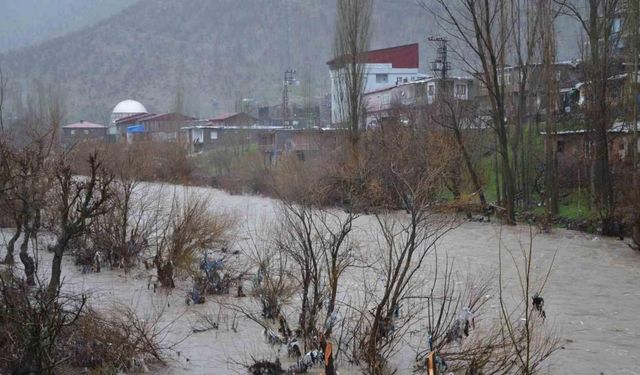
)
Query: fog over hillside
[
  {"x": 211, "y": 51},
  {"x": 27, "y": 22}
]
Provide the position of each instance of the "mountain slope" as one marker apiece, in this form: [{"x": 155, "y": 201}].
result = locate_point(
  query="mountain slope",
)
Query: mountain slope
[
  {"x": 27, "y": 22},
  {"x": 210, "y": 50}
]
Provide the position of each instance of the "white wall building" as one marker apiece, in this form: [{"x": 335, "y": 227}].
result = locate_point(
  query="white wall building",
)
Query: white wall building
[{"x": 383, "y": 68}]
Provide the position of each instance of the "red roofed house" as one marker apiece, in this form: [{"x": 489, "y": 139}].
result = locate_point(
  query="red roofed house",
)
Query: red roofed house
[
  {"x": 83, "y": 131},
  {"x": 233, "y": 119},
  {"x": 383, "y": 68}
]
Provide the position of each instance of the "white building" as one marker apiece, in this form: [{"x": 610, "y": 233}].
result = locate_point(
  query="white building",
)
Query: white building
[
  {"x": 383, "y": 68},
  {"x": 124, "y": 109},
  {"x": 380, "y": 103}
]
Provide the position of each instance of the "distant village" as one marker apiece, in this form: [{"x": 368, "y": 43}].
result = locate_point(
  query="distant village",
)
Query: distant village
[
  {"x": 476, "y": 211},
  {"x": 394, "y": 90}
]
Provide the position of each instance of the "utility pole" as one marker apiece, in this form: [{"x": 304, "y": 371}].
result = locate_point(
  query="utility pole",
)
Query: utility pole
[
  {"x": 635, "y": 93},
  {"x": 289, "y": 74},
  {"x": 441, "y": 66},
  {"x": 289, "y": 79}
]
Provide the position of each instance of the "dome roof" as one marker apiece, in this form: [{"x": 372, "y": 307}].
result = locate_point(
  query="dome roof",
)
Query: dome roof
[{"x": 129, "y": 106}]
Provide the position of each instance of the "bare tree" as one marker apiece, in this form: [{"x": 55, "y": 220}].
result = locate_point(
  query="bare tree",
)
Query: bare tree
[
  {"x": 28, "y": 152},
  {"x": 457, "y": 116},
  {"x": 530, "y": 342},
  {"x": 298, "y": 242},
  {"x": 3, "y": 94},
  {"x": 597, "y": 17},
  {"x": 77, "y": 202},
  {"x": 353, "y": 34},
  {"x": 484, "y": 28},
  {"x": 338, "y": 251},
  {"x": 525, "y": 18},
  {"x": 34, "y": 322},
  {"x": 273, "y": 287},
  {"x": 548, "y": 12},
  {"x": 28, "y": 167},
  {"x": 404, "y": 175},
  {"x": 122, "y": 234},
  {"x": 60, "y": 334}
]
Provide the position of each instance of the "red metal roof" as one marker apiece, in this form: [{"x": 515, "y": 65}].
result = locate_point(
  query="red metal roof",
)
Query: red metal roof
[
  {"x": 173, "y": 116},
  {"x": 84, "y": 125},
  {"x": 134, "y": 118},
  {"x": 154, "y": 117},
  {"x": 227, "y": 116},
  {"x": 224, "y": 116},
  {"x": 400, "y": 57}
]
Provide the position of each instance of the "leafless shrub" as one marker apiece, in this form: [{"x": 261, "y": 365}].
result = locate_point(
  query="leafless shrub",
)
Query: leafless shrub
[
  {"x": 32, "y": 323},
  {"x": 272, "y": 285},
  {"x": 629, "y": 204},
  {"x": 528, "y": 341},
  {"x": 121, "y": 236},
  {"x": 185, "y": 233},
  {"x": 248, "y": 174},
  {"x": 116, "y": 340}
]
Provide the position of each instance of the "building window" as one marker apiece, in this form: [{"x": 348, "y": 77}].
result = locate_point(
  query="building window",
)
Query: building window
[
  {"x": 431, "y": 90},
  {"x": 73, "y": 132},
  {"x": 382, "y": 78},
  {"x": 86, "y": 132},
  {"x": 461, "y": 91},
  {"x": 385, "y": 100},
  {"x": 560, "y": 146},
  {"x": 213, "y": 135}
]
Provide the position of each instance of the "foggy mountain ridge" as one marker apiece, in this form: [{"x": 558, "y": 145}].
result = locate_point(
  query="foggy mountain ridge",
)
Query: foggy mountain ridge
[
  {"x": 31, "y": 22},
  {"x": 210, "y": 51}
]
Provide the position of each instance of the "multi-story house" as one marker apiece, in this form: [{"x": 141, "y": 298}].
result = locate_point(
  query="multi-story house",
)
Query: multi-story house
[
  {"x": 383, "y": 68},
  {"x": 383, "y": 104}
]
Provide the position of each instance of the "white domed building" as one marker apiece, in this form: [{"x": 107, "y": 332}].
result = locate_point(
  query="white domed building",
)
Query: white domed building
[{"x": 124, "y": 109}]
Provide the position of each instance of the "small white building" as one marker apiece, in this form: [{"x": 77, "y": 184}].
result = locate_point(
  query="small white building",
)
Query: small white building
[{"x": 383, "y": 68}]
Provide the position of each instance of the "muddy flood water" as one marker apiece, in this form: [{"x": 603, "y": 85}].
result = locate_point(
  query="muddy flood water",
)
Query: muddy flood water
[{"x": 592, "y": 298}]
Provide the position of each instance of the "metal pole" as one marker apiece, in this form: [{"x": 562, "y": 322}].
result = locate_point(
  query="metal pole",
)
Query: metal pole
[
  {"x": 285, "y": 99},
  {"x": 634, "y": 91},
  {"x": 288, "y": 80}
]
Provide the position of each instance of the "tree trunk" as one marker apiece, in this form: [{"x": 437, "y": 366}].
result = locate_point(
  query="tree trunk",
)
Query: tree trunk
[
  {"x": 56, "y": 263},
  {"x": 329, "y": 367},
  {"x": 125, "y": 215},
  {"x": 551, "y": 193},
  {"x": 507, "y": 176},
  {"x": 12, "y": 242},
  {"x": 455, "y": 182},
  {"x": 472, "y": 171},
  {"x": 27, "y": 260}
]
